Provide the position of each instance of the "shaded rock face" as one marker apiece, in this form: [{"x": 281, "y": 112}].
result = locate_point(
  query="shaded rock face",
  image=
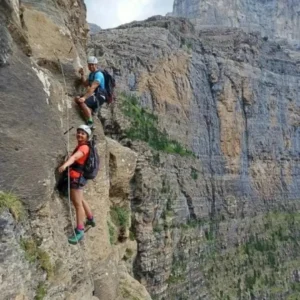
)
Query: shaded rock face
[
  {"x": 221, "y": 222},
  {"x": 207, "y": 225},
  {"x": 27, "y": 115},
  {"x": 19, "y": 81},
  {"x": 274, "y": 18},
  {"x": 42, "y": 46}
]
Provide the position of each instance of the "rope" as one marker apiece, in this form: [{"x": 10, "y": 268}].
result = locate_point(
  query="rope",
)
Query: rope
[
  {"x": 68, "y": 142},
  {"x": 69, "y": 183}
]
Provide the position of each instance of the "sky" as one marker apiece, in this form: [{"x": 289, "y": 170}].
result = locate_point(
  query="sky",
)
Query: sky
[{"x": 112, "y": 13}]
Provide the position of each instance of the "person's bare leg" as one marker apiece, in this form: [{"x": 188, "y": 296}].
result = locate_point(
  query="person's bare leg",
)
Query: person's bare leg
[
  {"x": 87, "y": 112},
  {"x": 77, "y": 197},
  {"x": 87, "y": 209}
]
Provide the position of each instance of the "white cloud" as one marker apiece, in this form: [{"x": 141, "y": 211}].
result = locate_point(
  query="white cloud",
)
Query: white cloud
[{"x": 112, "y": 13}]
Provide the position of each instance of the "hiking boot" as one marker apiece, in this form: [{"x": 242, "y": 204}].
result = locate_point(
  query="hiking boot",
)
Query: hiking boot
[
  {"x": 90, "y": 123},
  {"x": 74, "y": 239},
  {"x": 89, "y": 222}
]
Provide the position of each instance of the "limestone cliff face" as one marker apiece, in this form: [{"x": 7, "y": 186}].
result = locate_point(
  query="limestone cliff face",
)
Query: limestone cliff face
[
  {"x": 273, "y": 18},
  {"x": 222, "y": 223},
  {"x": 40, "y": 41},
  {"x": 198, "y": 194}
]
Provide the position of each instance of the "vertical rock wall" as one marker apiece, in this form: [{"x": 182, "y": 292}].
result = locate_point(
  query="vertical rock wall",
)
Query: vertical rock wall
[
  {"x": 276, "y": 18},
  {"x": 220, "y": 224},
  {"x": 42, "y": 45}
]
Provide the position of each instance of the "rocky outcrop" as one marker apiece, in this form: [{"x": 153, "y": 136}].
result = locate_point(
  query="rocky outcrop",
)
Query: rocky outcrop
[
  {"x": 197, "y": 197},
  {"x": 274, "y": 19},
  {"x": 94, "y": 28},
  {"x": 43, "y": 43},
  {"x": 219, "y": 223}
]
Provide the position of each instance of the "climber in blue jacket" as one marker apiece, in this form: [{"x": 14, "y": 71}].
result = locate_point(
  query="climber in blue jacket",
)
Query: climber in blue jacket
[{"x": 95, "y": 94}]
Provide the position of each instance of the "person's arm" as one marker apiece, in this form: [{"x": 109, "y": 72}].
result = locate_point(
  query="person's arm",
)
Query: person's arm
[
  {"x": 84, "y": 81},
  {"x": 77, "y": 155},
  {"x": 90, "y": 91}
]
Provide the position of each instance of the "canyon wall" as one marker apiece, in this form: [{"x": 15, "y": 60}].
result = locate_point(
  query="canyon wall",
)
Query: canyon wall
[
  {"x": 214, "y": 118},
  {"x": 273, "y": 18}
]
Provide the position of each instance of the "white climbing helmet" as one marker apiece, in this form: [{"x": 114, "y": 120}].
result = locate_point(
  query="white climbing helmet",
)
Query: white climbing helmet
[
  {"x": 92, "y": 60},
  {"x": 86, "y": 129}
]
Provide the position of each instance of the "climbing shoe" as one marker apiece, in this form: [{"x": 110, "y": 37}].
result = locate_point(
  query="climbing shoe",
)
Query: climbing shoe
[
  {"x": 89, "y": 222},
  {"x": 74, "y": 239},
  {"x": 90, "y": 123}
]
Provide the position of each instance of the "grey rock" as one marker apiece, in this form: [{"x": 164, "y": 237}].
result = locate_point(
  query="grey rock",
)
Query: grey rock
[
  {"x": 13, "y": 266},
  {"x": 275, "y": 18},
  {"x": 42, "y": 47},
  {"x": 201, "y": 222},
  {"x": 5, "y": 45},
  {"x": 224, "y": 94},
  {"x": 106, "y": 283},
  {"x": 94, "y": 28},
  {"x": 24, "y": 107}
]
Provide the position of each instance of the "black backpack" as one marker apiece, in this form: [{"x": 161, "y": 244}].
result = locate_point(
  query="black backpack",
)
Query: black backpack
[
  {"x": 88, "y": 171},
  {"x": 91, "y": 166}
]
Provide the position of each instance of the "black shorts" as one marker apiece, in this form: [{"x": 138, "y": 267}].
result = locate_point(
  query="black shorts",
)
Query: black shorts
[
  {"x": 94, "y": 102},
  {"x": 77, "y": 183}
]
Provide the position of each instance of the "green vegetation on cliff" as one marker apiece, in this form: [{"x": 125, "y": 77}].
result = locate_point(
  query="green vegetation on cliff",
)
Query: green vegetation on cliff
[
  {"x": 13, "y": 204},
  {"x": 194, "y": 174},
  {"x": 144, "y": 127},
  {"x": 120, "y": 216},
  {"x": 120, "y": 222},
  {"x": 263, "y": 262},
  {"x": 41, "y": 292},
  {"x": 179, "y": 267},
  {"x": 262, "y": 266},
  {"x": 35, "y": 254},
  {"x": 113, "y": 237}
]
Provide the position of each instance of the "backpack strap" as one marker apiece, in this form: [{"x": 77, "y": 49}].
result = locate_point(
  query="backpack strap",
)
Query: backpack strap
[
  {"x": 99, "y": 91},
  {"x": 75, "y": 150},
  {"x": 76, "y": 166},
  {"x": 94, "y": 74}
]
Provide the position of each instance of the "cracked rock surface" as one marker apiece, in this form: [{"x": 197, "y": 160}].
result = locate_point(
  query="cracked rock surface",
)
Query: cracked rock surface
[
  {"x": 273, "y": 18},
  {"x": 206, "y": 225}
]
